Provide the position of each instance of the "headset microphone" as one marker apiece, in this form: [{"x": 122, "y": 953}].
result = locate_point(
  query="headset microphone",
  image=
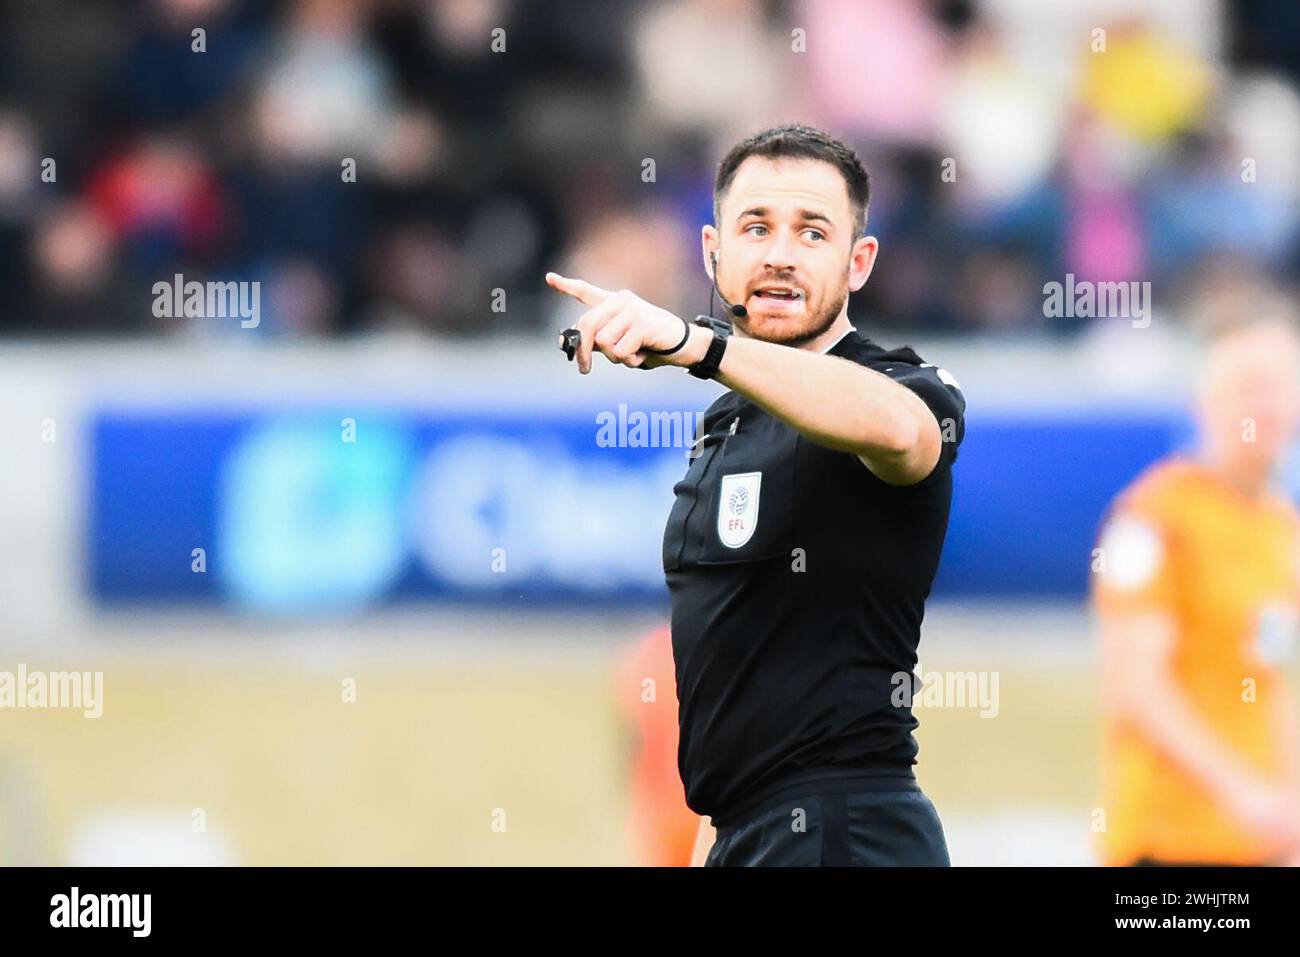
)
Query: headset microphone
[{"x": 738, "y": 311}]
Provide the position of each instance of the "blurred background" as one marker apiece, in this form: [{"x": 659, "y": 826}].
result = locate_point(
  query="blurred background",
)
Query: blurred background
[{"x": 363, "y": 584}]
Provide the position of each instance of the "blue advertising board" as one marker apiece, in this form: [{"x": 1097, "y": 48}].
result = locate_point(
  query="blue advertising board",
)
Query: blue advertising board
[{"x": 314, "y": 509}]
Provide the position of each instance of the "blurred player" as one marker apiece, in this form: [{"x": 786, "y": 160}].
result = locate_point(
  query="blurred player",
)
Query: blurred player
[
  {"x": 1197, "y": 589},
  {"x": 661, "y": 828}
]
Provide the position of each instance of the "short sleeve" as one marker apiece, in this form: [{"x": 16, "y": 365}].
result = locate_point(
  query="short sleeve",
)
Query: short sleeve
[
  {"x": 1132, "y": 565},
  {"x": 940, "y": 392}
]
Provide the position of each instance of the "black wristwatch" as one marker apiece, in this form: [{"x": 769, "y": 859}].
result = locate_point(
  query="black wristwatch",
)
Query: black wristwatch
[{"x": 707, "y": 368}]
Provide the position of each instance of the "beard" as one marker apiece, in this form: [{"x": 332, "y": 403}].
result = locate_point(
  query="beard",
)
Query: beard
[{"x": 795, "y": 332}]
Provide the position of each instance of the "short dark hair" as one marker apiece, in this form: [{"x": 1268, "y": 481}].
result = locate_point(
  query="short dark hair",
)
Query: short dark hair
[{"x": 796, "y": 141}]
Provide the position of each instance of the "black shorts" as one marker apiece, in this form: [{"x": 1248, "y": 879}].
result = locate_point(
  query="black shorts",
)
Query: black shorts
[{"x": 875, "y": 828}]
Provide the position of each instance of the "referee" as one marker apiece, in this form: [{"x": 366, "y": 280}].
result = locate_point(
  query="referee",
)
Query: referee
[{"x": 806, "y": 533}]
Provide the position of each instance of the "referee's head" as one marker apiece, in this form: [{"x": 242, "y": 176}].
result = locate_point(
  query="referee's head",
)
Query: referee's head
[{"x": 789, "y": 232}]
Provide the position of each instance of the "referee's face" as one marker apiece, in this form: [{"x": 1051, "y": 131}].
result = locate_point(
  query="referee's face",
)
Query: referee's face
[{"x": 786, "y": 250}]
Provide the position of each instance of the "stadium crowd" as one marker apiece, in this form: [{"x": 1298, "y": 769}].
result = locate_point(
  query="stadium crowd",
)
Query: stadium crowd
[{"x": 381, "y": 164}]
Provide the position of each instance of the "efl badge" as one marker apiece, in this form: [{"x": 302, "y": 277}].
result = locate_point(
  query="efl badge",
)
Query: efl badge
[{"x": 738, "y": 508}]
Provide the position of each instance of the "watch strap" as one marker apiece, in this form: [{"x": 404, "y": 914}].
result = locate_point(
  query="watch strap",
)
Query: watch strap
[{"x": 707, "y": 368}]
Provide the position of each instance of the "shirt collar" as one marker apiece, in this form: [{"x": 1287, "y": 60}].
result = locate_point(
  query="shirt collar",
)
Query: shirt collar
[{"x": 839, "y": 340}]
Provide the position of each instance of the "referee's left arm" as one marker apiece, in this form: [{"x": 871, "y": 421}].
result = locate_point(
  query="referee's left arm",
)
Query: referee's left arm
[{"x": 836, "y": 403}]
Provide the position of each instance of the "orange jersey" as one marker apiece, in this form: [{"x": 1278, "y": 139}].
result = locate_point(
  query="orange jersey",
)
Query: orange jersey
[
  {"x": 661, "y": 827},
  {"x": 1226, "y": 570}
]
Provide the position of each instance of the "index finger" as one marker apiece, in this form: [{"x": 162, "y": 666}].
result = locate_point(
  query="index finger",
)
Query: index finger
[{"x": 579, "y": 289}]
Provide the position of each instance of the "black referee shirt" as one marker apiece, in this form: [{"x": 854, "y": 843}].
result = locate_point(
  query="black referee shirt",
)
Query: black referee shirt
[{"x": 798, "y": 583}]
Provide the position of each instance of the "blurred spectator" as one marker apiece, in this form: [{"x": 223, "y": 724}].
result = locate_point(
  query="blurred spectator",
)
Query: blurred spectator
[
  {"x": 854, "y": 93},
  {"x": 1000, "y": 127},
  {"x": 163, "y": 80},
  {"x": 76, "y": 283},
  {"x": 641, "y": 249},
  {"x": 747, "y": 87},
  {"x": 1145, "y": 84},
  {"x": 161, "y": 200}
]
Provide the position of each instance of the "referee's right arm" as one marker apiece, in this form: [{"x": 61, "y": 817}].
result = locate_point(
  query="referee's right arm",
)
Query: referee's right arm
[{"x": 704, "y": 839}]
